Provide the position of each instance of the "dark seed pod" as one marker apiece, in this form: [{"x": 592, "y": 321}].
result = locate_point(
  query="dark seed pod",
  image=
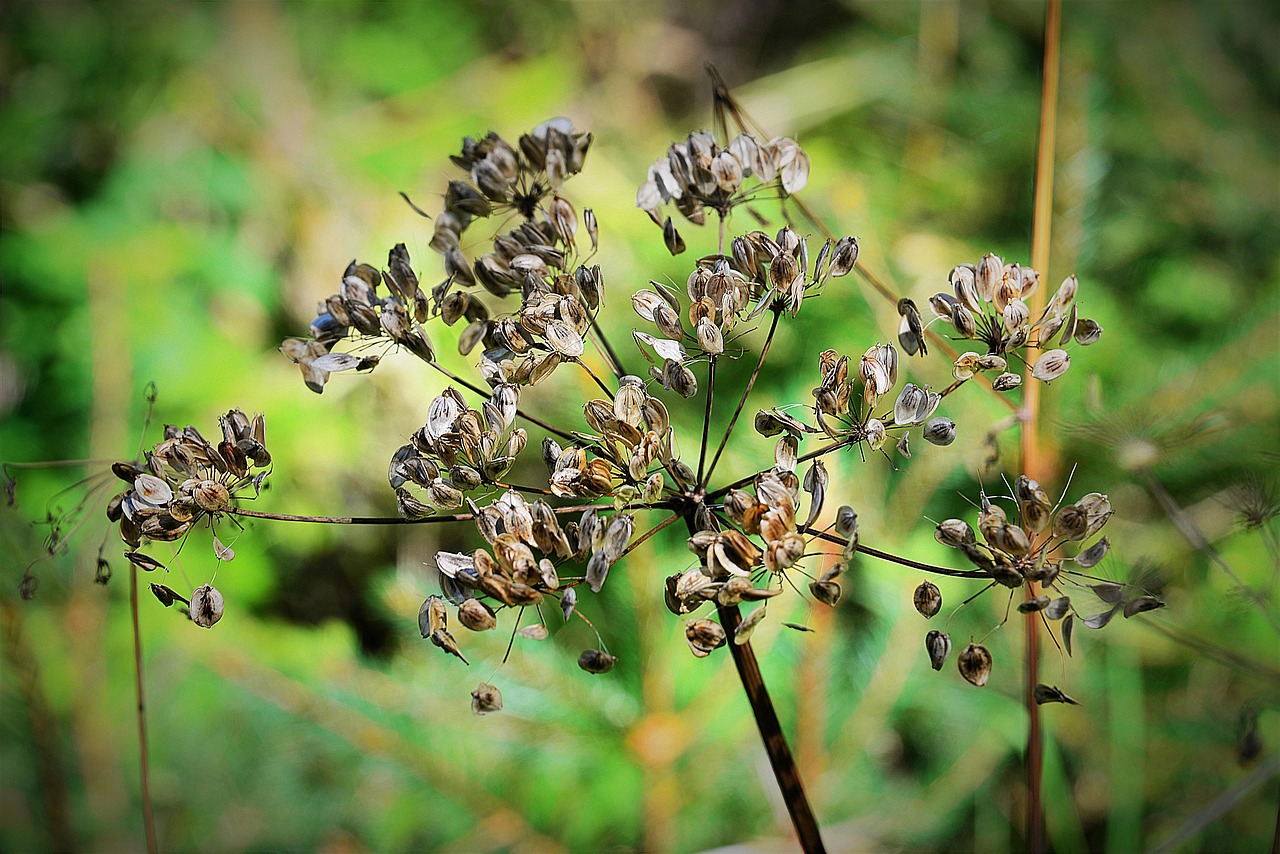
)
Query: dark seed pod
[
  {"x": 103, "y": 573},
  {"x": 704, "y": 636},
  {"x": 927, "y": 599},
  {"x": 955, "y": 533},
  {"x": 166, "y": 595},
  {"x": 975, "y": 664},
  {"x": 1049, "y": 694},
  {"x": 1031, "y": 606},
  {"x": 826, "y": 592},
  {"x": 597, "y": 661},
  {"x": 938, "y": 645}
]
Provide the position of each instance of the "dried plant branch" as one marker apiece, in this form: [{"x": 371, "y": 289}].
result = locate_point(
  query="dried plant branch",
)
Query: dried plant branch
[
  {"x": 400, "y": 520},
  {"x": 706, "y": 417},
  {"x": 144, "y": 762},
  {"x": 746, "y": 392},
  {"x": 532, "y": 419}
]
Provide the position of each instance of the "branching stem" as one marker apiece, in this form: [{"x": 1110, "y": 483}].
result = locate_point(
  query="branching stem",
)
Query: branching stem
[
  {"x": 520, "y": 413},
  {"x": 755, "y": 374}
]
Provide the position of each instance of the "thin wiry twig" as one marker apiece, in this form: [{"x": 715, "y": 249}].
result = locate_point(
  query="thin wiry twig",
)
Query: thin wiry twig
[
  {"x": 520, "y": 413},
  {"x": 742, "y": 402},
  {"x": 400, "y": 520},
  {"x": 706, "y": 418}
]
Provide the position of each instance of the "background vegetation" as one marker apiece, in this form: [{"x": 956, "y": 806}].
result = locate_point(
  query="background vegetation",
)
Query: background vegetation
[{"x": 180, "y": 185}]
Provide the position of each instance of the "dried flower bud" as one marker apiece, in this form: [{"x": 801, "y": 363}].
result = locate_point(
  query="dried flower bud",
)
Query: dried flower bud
[
  {"x": 975, "y": 664},
  {"x": 485, "y": 698},
  {"x": 596, "y": 661},
  {"x": 206, "y": 606},
  {"x": 927, "y": 599},
  {"x": 938, "y": 645}
]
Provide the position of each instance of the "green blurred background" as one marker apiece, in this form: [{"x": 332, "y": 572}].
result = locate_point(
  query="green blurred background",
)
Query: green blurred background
[{"x": 182, "y": 182}]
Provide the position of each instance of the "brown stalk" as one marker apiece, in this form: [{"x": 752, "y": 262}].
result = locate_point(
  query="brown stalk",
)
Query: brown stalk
[
  {"x": 148, "y": 817},
  {"x": 1034, "y": 462},
  {"x": 781, "y": 759}
]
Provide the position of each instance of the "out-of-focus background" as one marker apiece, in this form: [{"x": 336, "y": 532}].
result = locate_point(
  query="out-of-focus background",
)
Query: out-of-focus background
[{"x": 182, "y": 182}]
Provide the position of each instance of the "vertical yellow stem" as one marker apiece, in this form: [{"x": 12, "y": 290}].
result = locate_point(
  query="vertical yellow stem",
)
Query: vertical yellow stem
[{"x": 1033, "y": 458}]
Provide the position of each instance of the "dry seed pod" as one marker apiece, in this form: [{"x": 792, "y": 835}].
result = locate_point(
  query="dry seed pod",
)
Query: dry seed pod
[
  {"x": 955, "y": 533},
  {"x": 703, "y": 636},
  {"x": 1049, "y": 694},
  {"x": 748, "y": 626},
  {"x": 975, "y": 664},
  {"x": 1051, "y": 365},
  {"x": 596, "y": 661},
  {"x": 826, "y": 592},
  {"x": 1034, "y": 604},
  {"x": 927, "y": 599},
  {"x": 476, "y": 616},
  {"x": 206, "y": 606},
  {"x": 938, "y": 645},
  {"x": 485, "y": 698}
]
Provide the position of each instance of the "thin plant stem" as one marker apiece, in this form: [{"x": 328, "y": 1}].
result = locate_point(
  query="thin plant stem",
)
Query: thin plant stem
[
  {"x": 593, "y": 376},
  {"x": 893, "y": 558},
  {"x": 148, "y": 817},
  {"x": 655, "y": 529},
  {"x": 520, "y": 413},
  {"x": 1033, "y": 458},
  {"x": 742, "y": 481},
  {"x": 742, "y": 402},
  {"x": 706, "y": 417},
  {"x": 611, "y": 355}
]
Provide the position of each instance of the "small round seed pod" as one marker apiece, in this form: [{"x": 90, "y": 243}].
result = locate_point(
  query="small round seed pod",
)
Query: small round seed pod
[
  {"x": 927, "y": 599},
  {"x": 975, "y": 664},
  {"x": 703, "y": 636},
  {"x": 940, "y": 431},
  {"x": 955, "y": 533},
  {"x": 206, "y": 606},
  {"x": 938, "y": 645},
  {"x": 596, "y": 661},
  {"x": 826, "y": 592}
]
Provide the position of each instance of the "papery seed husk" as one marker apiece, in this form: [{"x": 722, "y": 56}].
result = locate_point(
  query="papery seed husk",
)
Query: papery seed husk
[
  {"x": 703, "y": 636},
  {"x": 1058, "y": 608},
  {"x": 940, "y": 431},
  {"x": 975, "y": 664},
  {"x": 1094, "y": 554},
  {"x": 206, "y": 606},
  {"x": 826, "y": 592},
  {"x": 1051, "y": 365},
  {"x": 927, "y": 599},
  {"x": 1049, "y": 694},
  {"x": 748, "y": 626},
  {"x": 485, "y": 699},
  {"x": 1006, "y": 382},
  {"x": 955, "y": 533},
  {"x": 1141, "y": 605},
  {"x": 476, "y": 616}
]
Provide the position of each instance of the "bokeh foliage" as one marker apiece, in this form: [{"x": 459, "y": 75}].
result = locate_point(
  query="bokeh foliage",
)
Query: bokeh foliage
[{"x": 180, "y": 185}]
